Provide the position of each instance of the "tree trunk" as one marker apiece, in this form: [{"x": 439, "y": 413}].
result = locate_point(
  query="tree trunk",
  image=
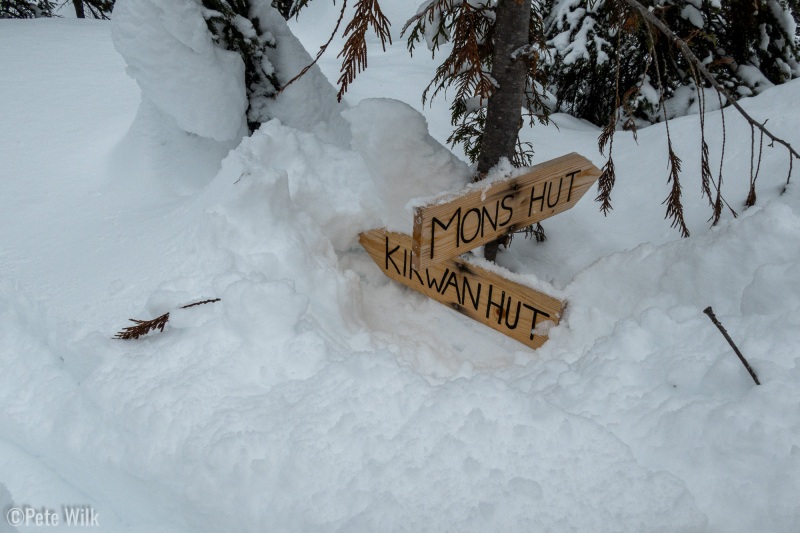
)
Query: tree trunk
[
  {"x": 79, "y": 8},
  {"x": 504, "y": 109}
]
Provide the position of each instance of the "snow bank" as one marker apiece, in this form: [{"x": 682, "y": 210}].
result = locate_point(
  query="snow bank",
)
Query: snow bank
[
  {"x": 319, "y": 396},
  {"x": 5, "y": 506},
  {"x": 308, "y": 104},
  {"x": 280, "y": 394},
  {"x": 170, "y": 54}
]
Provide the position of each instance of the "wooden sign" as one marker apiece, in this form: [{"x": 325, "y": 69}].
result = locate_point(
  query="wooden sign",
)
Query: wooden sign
[
  {"x": 480, "y": 215},
  {"x": 508, "y": 307}
]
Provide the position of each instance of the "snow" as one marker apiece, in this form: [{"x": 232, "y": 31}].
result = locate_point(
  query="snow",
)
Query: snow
[
  {"x": 577, "y": 31},
  {"x": 693, "y": 15},
  {"x": 170, "y": 54},
  {"x": 318, "y": 395}
]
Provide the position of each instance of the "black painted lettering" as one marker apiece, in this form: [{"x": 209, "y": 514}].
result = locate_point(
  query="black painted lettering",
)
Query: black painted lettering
[
  {"x": 499, "y": 306},
  {"x": 507, "y": 208},
  {"x": 536, "y": 313},
  {"x": 464, "y": 223},
  {"x": 439, "y": 284},
  {"x": 436, "y": 222},
  {"x": 571, "y": 181},
  {"x": 475, "y": 298},
  {"x": 389, "y": 256},
  {"x": 534, "y": 198},
  {"x": 452, "y": 281},
  {"x": 550, "y": 191},
  {"x": 486, "y": 215},
  {"x": 508, "y": 314}
]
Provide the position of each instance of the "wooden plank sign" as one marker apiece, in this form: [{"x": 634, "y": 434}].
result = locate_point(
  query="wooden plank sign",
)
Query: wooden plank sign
[
  {"x": 508, "y": 307},
  {"x": 477, "y": 216}
]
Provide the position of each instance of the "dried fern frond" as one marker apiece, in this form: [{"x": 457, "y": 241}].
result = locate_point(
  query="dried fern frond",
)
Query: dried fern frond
[
  {"x": 468, "y": 65},
  {"x": 705, "y": 165},
  {"x": 354, "y": 53},
  {"x": 705, "y": 170},
  {"x": 751, "y": 195},
  {"x": 143, "y": 327},
  {"x": 606, "y": 134},
  {"x": 605, "y": 184},
  {"x": 717, "y": 207},
  {"x": 673, "y": 201},
  {"x": 536, "y": 232}
]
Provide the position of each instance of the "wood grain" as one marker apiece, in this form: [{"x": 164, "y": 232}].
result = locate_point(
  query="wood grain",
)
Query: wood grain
[
  {"x": 506, "y": 306},
  {"x": 477, "y": 216}
]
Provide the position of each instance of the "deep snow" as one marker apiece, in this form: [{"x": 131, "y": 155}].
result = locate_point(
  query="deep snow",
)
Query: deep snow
[{"x": 319, "y": 396}]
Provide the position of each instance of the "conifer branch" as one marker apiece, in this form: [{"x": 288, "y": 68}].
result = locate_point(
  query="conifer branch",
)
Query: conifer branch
[
  {"x": 354, "y": 53},
  {"x": 673, "y": 201},
  {"x": 143, "y": 327},
  {"x": 751, "y": 195},
  {"x": 705, "y": 165},
  {"x": 322, "y": 49},
  {"x": 718, "y": 186},
  {"x": 606, "y": 181},
  {"x": 536, "y": 232},
  {"x": 689, "y": 55}
]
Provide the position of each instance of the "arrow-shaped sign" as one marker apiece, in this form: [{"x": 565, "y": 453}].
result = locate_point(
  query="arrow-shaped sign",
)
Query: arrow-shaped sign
[
  {"x": 480, "y": 214},
  {"x": 511, "y": 308}
]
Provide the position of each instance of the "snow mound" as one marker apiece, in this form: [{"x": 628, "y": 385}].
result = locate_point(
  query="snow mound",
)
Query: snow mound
[
  {"x": 280, "y": 394},
  {"x": 170, "y": 54},
  {"x": 317, "y": 395}
]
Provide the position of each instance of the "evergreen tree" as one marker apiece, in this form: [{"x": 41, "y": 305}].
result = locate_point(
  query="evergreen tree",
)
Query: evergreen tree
[
  {"x": 233, "y": 28},
  {"x": 615, "y": 62},
  {"x": 285, "y": 7},
  {"x": 26, "y": 9},
  {"x": 609, "y": 61},
  {"x": 747, "y": 44},
  {"x": 469, "y": 27},
  {"x": 495, "y": 65},
  {"x": 99, "y": 9}
]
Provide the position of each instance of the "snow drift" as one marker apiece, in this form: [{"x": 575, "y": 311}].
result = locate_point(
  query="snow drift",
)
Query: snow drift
[{"x": 319, "y": 396}]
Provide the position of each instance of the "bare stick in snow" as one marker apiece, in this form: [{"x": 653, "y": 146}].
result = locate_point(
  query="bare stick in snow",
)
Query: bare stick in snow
[{"x": 712, "y": 316}]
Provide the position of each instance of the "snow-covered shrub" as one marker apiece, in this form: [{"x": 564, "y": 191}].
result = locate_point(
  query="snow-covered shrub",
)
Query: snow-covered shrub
[
  {"x": 98, "y": 9},
  {"x": 26, "y": 9},
  {"x": 214, "y": 67},
  {"x": 748, "y": 45},
  {"x": 234, "y": 27}
]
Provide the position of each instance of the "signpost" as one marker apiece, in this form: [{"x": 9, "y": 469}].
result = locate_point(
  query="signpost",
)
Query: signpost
[
  {"x": 507, "y": 306},
  {"x": 480, "y": 215},
  {"x": 428, "y": 262}
]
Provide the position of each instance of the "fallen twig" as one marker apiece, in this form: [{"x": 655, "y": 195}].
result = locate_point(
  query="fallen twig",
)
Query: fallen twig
[
  {"x": 710, "y": 313},
  {"x": 143, "y": 327}
]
